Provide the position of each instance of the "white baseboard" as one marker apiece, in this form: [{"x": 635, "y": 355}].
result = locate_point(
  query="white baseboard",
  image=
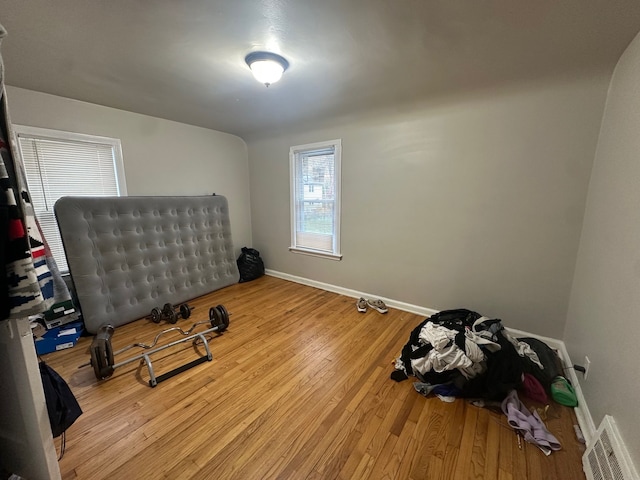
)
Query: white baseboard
[
  {"x": 405, "y": 307},
  {"x": 585, "y": 420}
]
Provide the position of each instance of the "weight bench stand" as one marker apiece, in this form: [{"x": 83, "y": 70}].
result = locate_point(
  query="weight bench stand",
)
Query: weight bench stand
[
  {"x": 153, "y": 380},
  {"x": 102, "y": 354}
]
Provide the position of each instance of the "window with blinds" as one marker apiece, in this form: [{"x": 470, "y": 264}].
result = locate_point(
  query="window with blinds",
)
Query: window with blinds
[
  {"x": 315, "y": 199},
  {"x": 58, "y": 164}
]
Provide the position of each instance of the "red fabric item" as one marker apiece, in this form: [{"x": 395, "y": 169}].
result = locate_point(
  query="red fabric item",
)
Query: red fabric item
[
  {"x": 16, "y": 229},
  {"x": 533, "y": 389}
]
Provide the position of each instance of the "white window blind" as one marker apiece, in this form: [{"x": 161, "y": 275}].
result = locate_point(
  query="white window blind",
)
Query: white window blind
[
  {"x": 59, "y": 164},
  {"x": 315, "y": 198}
]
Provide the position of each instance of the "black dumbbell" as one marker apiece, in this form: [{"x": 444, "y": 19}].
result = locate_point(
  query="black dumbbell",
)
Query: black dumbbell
[
  {"x": 168, "y": 312},
  {"x": 185, "y": 311},
  {"x": 156, "y": 315}
]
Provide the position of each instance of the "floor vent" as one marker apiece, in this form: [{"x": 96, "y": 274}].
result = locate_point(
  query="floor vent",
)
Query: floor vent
[{"x": 606, "y": 457}]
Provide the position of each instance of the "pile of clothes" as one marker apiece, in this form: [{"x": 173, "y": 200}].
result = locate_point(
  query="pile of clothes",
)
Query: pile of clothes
[{"x": 460, "y": 353}]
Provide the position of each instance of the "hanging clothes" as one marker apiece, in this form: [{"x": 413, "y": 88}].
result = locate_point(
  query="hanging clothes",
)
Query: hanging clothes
[{"x": 31, "y": 282}]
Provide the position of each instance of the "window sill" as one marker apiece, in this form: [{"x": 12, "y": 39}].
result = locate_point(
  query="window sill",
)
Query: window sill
[{"x": 315, "y": 253}]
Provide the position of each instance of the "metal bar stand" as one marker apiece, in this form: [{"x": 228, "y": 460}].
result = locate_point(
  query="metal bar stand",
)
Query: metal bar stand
[{"x": 146, "y": 357}]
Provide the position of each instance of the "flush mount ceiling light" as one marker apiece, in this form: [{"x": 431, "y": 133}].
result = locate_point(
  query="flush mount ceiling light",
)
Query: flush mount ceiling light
[{"x": 266, "y": 67}]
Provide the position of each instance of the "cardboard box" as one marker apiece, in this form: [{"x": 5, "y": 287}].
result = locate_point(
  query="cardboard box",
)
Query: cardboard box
[{"x": 59, "y": 338}]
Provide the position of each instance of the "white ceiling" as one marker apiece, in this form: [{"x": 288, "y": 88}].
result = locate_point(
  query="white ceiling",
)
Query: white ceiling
[{"x": 184, "y": 59}]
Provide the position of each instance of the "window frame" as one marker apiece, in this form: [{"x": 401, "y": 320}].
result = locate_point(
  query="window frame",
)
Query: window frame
[
  {"x": 38, "y": 133},
  {"x": 52, "y": 134},
  {"x": 294, "y": 151}
]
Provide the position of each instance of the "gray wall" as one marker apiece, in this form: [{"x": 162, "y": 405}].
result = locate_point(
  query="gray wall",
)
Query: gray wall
[
  {"x": 604, "y": 314},
  {"x": 161, "y": 157},
  {"x": 474, "y": 202}
]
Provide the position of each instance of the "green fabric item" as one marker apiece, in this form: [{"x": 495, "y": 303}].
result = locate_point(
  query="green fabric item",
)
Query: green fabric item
[{"x": 563, "y": 393}]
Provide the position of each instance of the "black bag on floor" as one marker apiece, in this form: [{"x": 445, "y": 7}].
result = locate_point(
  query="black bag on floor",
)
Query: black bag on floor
[
  {"x": 250, "y": 264},
  {"x": 62, "y": 406},
  {"x": 549, "y": 360}
]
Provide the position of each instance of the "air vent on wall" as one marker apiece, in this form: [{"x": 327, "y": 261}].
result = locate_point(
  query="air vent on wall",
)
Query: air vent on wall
[{"x": 606, "y": 457}]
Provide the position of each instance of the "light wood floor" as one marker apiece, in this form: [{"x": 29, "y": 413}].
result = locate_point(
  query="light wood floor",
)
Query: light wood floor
[{"x": 299, "y": 388}]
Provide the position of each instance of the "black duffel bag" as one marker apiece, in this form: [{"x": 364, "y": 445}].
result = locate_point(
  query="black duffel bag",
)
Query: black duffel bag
[{"x": 250, "y": 264}]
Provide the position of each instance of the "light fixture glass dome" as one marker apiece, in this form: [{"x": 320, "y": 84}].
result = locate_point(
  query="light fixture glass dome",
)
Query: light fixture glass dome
[{"x": 266, "y": 67}]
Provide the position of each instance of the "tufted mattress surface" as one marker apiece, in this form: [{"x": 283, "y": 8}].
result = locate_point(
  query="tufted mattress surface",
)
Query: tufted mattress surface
[{"x": 127, "y": 255}]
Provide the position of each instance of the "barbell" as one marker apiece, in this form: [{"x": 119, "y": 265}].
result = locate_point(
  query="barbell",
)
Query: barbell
[{"x": 102, "y": 354}]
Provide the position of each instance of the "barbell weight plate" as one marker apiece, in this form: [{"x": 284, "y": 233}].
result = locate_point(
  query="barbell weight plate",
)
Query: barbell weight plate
[
  {"x": 224, "y": 315},
  {"x": 95, "y": 361},
  {"x": 102, "y": 359},
  {"x": 101, "y": 352},
  {"x": 222, "y": 323},
  {"x": 215, "y": 317},
  {"x": 172, "y": 317},
  {"x": 156, "y": 315},
  {"x": 166, "y": 309},
  {"x": 185, "y": 311},
  {"x": 107, "y": 371}
]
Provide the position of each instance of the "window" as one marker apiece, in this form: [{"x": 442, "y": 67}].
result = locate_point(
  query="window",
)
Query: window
[
  {"x": 62, "y": 163},
  {"x": 315, "y": 199}
]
